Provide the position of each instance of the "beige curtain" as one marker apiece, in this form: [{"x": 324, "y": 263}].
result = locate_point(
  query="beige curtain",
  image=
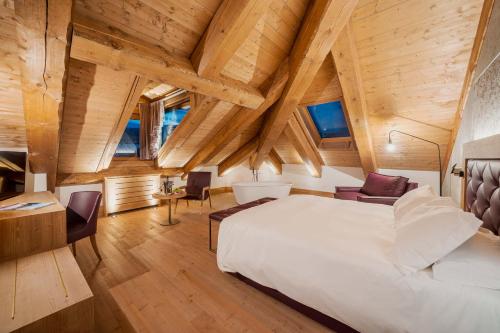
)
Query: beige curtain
[{"x": 151, "y": 116}]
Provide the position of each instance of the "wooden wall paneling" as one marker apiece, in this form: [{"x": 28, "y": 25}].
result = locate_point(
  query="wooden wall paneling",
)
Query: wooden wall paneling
[
  {"x": 113, "y": 171},
  {"x": 325, "y": 86},
  {"x": 229, "y": 28},
  {"x": 43, "y": 33},
  {"x": 241, "y": 121},
  {"x": 94, "y": 102},
  {"x": 347, "y": 62},
  {"x": 95, "y": 44},
  {"x": 12, "y": 124},
  {"x": 238, "y": 157},
  {"x": 471, "y": 68},
  {"x": 116, "y": 134},
  {"x": 413, "y": 65},
  {"x": 321, "y": 27},
  {"x": 304, "y": 145},
  {"x": 201, "y": 106},
  {"x": 409, "y": 152}
]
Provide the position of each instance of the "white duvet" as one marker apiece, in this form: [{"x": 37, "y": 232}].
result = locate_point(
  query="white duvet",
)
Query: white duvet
[{"x": 334, "y": 256}]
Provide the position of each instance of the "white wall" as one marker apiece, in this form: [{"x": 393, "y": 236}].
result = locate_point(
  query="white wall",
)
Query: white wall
[
  {"x": 296, "y": 174},
  {"x": 416, "y": 176},
  {"x": 64, "y": 192}
]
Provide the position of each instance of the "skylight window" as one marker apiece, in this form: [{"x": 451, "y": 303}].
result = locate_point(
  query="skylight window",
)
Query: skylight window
[{"x": 329, "y": 119}]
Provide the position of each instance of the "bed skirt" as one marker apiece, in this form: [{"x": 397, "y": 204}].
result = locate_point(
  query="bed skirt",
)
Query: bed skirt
[{"x": 307, "y": 311}]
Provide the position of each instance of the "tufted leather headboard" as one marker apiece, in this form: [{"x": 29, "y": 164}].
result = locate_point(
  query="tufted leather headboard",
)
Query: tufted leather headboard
[{"x": 482, "y": 191}]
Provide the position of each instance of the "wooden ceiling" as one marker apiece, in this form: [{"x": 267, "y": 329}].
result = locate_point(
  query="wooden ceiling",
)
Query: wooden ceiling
[{"x": 248, "y": 65}]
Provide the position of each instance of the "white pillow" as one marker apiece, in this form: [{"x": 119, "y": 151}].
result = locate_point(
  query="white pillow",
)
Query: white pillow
[
  {"x": 428, "y": 237},
  {"x": 475, "y": 263},
  {"x": 411, "y": 199},
  {"x": 423, "y": 208}
]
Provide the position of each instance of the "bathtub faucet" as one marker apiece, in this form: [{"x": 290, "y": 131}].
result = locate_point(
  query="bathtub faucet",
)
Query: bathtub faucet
[{"x": 255, "y": 175}]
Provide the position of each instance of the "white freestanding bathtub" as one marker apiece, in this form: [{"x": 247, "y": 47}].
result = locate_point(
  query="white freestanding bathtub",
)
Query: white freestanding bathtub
[{"x": 246, "y": 192}]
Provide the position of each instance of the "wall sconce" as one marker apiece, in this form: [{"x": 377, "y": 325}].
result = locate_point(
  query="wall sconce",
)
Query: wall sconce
[
  {"x": 457, "y": 171},
  {"x": 391, "y": 148}
]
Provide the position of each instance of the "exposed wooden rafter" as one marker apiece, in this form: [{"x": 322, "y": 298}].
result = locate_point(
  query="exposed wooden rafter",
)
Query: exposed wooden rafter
[
  {"x": 238, "y": 157},
  {"x": 230, "y": 26},
  {"x": 200, "y": 107},
  {"x": 103, "y": 45},
  {"x": 133, "y": 97},
  {"x": 298, "y": 135},
  {"x": 346, "y": 60},
  {"x": 323, "y": 23},
  {"x": 43, "y": 32},
  {"x": 471, "y": 68},
  {"x": 275, "y": 162},
  {"x": 240, "y": 121}
]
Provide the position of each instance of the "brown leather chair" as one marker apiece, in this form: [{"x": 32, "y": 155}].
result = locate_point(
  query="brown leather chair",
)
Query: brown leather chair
[
  {"x": 81, "y": 218},
  {"x": 197, "y": 188}
]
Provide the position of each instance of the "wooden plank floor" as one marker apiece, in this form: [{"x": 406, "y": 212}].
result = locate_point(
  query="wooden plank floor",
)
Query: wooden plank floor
[{"x": 164, "y": 279}]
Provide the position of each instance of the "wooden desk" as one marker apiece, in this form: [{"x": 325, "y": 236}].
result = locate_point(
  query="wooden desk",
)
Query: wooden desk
[
  {"x": 23, "y": 233},
  {"x": 45, "y": 292}
]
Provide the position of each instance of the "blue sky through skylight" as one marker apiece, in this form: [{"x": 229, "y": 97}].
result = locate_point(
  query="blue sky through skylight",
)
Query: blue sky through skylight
[{"x": 329, "y": 120}]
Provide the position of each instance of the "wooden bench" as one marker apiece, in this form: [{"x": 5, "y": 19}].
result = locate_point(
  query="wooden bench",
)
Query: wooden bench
[{"x": 222, "y": 214}]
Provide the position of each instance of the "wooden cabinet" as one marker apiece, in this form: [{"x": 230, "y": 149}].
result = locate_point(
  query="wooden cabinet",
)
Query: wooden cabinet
[
  {"x": 24, "y": 233},
  {"x": 131, "y": 192},
  {"x": 45, "y": 292}
]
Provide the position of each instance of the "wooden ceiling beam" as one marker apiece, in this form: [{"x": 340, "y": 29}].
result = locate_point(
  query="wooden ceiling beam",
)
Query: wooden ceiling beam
[
  {"x": 100, "y": 44},
  {"x": 138, "y": 85},
  {"x": 304, "y": 144},
  {"x": 241, "y": 121},
  {"x": 238, "y": 157},
  {"x": 200, "y": 107},
  {"x": 43, "y": 30},
  {"x": 323, "y": 23},
  {"x": 275, "y": 162},
  {"x": 231, "y": 25},
  {"x": 346, "y": 60}
]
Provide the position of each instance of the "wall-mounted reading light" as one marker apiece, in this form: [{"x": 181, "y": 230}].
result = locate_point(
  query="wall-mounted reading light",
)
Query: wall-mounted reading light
[
  {"x": 457, "y": 171},
  {"x": 391, "y": 148}
]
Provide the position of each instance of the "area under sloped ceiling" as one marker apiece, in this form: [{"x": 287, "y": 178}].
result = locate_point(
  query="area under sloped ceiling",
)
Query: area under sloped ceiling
[{"x": 413, "y": 56}]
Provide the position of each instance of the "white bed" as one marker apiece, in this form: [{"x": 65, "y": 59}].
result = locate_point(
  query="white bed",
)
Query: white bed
[{"x": 334, "y": 256}]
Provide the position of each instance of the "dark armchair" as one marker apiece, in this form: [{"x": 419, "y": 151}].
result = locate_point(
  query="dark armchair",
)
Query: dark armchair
[
  {"x": 378, "y": 188},
  {"x": 81, "y": 218},
  {"x": 197, "y": 188}
]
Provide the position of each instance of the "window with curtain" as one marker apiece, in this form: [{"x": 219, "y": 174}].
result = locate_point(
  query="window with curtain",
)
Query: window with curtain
[
  {"x": 129, "y": 143},
  {"x": 329, "y": 119},
  {"x": 172, "y": 119}
]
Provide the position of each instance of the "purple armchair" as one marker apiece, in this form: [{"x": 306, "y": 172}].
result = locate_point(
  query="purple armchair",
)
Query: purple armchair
[
  {"x": 197, "y": 188},
  {"x": 81, "y": 218},
  {"x": 378, "y": 188}
]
